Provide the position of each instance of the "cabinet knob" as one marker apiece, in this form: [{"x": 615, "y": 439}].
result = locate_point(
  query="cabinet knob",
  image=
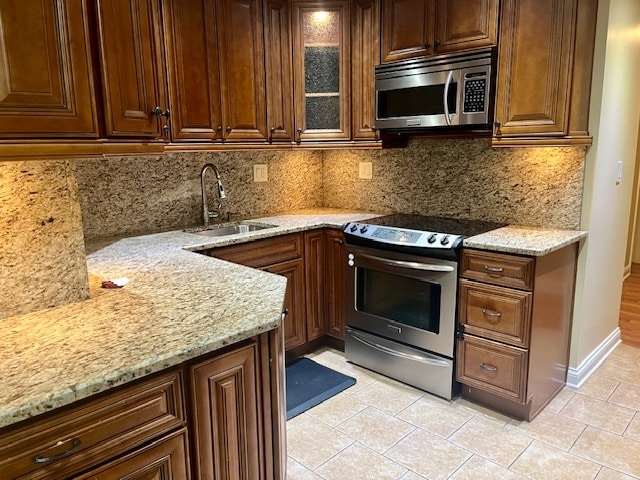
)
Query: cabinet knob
[
  {"x": 497, "y": 126},
  {"x": 299, "y": 135},
  {"x": 229, "y": 129},
  {"x": 436, "y": 43},
  {"x": 427, "y": 46}
]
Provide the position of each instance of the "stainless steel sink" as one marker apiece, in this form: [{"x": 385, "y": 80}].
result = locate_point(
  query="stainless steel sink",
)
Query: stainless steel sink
[{"x": 232, "y": 228}]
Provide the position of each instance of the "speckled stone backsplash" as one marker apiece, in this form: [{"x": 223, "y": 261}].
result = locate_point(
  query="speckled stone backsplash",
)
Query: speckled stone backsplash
[
  {"x": 136, "y": 195},
  {"x": 42, "y": 259},
  {"x": 462, "y": 179}
]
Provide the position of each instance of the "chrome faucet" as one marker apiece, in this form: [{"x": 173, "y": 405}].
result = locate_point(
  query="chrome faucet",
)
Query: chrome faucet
[{"x": 206, "y": 213}]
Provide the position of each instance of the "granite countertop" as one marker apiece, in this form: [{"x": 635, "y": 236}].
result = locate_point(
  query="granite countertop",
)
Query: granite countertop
[
  {"x": 525, "y": 240},
  {"x": 178, "y": 305}
]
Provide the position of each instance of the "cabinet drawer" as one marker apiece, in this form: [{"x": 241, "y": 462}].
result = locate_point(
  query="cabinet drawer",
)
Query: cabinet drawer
[
  {"x": 492, "y": 367},
  {"x": 164, "y": 459},
  {"x": 85, "y": 435},
  {"x": 498, "y": 313},
  {"x": 261, "y": 253},
  {"x": 498, "y": 268}
]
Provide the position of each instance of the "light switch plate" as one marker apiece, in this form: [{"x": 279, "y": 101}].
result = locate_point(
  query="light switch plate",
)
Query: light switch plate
[
  {"x": 260, "y": 172},
  {"x": 365, "y": 170}
]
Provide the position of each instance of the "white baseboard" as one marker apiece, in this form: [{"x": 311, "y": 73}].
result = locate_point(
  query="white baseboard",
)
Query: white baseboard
[{"x": 577, "y": 376}]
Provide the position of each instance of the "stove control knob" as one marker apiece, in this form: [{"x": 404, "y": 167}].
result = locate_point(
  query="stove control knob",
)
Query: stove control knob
[
  {"x": 445, "y": 240},
  {"x": 354, "y": 227},
  {"x": 432, "y": 238},
  {"x": 363, "y": 229}
]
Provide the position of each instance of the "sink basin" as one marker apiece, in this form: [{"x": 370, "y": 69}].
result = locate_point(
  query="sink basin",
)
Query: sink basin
[{"x": 233, "y": 228}]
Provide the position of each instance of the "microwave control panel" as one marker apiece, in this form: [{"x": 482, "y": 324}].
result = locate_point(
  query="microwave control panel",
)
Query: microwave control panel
[{"x": 474, "y": 94}]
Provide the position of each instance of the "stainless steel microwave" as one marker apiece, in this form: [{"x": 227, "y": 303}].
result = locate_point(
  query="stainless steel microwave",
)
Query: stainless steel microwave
[{"x": 453, "y": 90}]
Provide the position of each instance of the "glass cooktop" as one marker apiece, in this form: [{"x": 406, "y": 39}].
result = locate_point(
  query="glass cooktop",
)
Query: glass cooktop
[{"x": 451, "y": 226}]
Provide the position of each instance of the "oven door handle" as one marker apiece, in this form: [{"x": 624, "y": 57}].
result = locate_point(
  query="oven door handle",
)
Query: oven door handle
[
  {"x": 412, "y": 265},
  {"x": 429, "y": 360}
]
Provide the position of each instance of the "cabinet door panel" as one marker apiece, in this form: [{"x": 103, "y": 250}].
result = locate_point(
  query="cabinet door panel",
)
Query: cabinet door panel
[
  {"x": 46, "y": 87},
  {"x": 335, "y": 283},
  {"x": 192, "y": 58},
  {"x": 321, "y": 55},
  {"x": 242, "y": 69},
  {"x": 227, "y": 416},
  {"x": 279, "y": 69},
  {"x": 536, "y": 49},
  {"x": 365, "y": 54},
  {"x": 407, "y": 28},
  {"x": 464, "y": 24},
  {"x": 314, "y": 259},
  {"x": 294, "y": 302},
  {"x": 132, "y": 67}
]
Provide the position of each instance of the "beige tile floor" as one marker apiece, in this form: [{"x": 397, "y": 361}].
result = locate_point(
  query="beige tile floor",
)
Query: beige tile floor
[{"x": 380, "y": 429}]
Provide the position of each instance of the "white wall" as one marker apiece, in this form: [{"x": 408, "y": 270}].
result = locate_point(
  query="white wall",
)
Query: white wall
[{"x": 614, "y": 117}]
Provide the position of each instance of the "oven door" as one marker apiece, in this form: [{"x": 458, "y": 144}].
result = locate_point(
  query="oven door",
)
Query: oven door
[{"x": 407, "y": 298}]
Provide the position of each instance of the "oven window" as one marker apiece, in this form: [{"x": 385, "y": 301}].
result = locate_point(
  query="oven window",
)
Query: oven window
[
  {"x": 416, "y": 101},
  {"x": 403, "y": 299}
]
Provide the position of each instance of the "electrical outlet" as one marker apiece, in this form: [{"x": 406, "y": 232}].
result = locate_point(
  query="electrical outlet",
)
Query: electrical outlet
[
  {"x": 365, "y": 170},
  {"x": 260, "y": 172}
]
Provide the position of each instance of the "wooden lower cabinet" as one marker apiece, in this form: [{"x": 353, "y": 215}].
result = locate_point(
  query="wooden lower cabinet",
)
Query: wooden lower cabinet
[
  {"x": 313, "y": 263},
  {"x": 227, "y": 416},
  {"x": 335, "y": 283},
  {"x": 314, "y": 260},
  {"x": 514, "y": 328},
  {"x": 294, "y": 325},
  {"x": 232, "y": 425}
]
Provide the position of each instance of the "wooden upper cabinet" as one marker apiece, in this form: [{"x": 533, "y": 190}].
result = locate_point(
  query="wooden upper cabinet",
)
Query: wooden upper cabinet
[
  {"x": 365, "y": 55},
  {"x": 407, "y": 28},
  {"x": 415, "y": 28},
  {"x": 321, "y": 62},
  {"x": 46, "y": 86},
  {"x": 279, "y": 70},
  {"x": 242, "y": 79},
  {"x": 192, "y": 61},
  {"x": 465, "y": 24},
  {"x": 535, "y": 67},
  {"x": 131, "y": 60}
]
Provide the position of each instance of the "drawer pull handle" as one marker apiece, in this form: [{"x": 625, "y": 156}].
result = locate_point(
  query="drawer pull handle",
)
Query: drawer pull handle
[
  {"x": 493, "y": 269},
  {"x": 75, "y": 443},
  {"x": 489, "y": 368},
  {"x": 491, "y": 313}
]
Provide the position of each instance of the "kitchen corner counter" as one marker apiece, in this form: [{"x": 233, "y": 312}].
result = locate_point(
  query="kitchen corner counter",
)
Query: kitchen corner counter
[
  {"x": 177, "y": 306},
  {"x": 535, "y": 241}
]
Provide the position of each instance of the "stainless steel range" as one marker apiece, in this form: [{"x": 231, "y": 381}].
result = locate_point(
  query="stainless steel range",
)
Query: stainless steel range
[{"x": 402, "y": 277}]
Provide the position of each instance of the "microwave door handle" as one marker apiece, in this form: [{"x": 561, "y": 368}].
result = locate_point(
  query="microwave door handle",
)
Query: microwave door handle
[
  {"x": 445, "y": 96},
  {"x": 412, "y": 265}
]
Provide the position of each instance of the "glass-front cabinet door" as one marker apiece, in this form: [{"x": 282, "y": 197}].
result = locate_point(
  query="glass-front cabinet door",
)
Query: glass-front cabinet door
[{"x": 321, "y": 70}]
